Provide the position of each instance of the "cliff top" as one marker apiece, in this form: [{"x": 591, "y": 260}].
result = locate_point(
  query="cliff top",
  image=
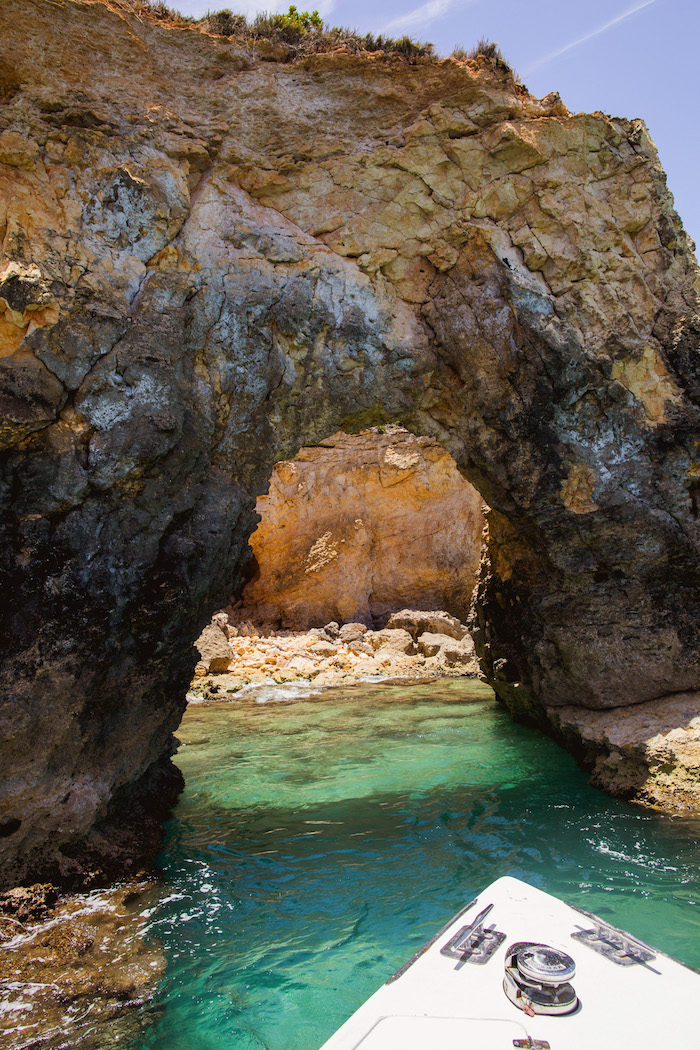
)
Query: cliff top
[
  {"x": 139, "y": 68},
  {"x": 284, "y": 37}
]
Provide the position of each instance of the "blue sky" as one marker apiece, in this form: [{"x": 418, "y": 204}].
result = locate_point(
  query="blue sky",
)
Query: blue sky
[{"x": 629, "y": 58}]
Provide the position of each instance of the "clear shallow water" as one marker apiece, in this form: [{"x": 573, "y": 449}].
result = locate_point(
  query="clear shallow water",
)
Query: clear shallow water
[{"x": 320, "y": 842}]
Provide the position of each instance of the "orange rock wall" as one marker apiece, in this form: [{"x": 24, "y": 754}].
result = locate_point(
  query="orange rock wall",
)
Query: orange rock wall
[{"x": 360, "y": 526}]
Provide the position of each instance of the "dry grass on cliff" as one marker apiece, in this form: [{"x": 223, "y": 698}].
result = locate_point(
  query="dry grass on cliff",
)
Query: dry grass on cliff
[
  {"x": 297, "y": 34},
  {"x": 153, "y": 10},
  {"x": 486, "y": 49},
  {"x": 306, "y": 34}
]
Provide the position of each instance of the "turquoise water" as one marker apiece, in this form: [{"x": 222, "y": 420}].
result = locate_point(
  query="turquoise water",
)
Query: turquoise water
[{"x": 321, "y": 841}]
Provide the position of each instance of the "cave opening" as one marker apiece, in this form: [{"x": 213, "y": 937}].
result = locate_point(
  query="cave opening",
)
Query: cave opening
[{"x": 353, "y": 532}]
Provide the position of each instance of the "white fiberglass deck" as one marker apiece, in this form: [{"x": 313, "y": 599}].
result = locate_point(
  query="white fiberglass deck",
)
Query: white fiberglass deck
[{"x": 448, "y": 1001}]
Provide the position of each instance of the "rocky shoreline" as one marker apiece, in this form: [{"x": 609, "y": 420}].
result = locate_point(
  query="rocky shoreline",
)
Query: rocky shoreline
[
  {"x": 77, "y": 970},
  {"x": 414, "y": 644}
]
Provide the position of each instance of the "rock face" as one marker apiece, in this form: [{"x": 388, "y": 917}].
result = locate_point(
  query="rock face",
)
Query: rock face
[
  {"x": 647, "y": 752},
  {"x": 359, "y": 526},
  {"x": 210, "y": 261}
]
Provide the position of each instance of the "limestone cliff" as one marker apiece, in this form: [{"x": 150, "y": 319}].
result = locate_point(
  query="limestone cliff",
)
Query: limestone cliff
[
  {"x": 210, "y": 260},
  {"x": 358, "y": 527}
]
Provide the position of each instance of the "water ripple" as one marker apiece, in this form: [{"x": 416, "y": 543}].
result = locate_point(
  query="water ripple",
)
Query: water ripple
[{"x": 321, "y": 840}]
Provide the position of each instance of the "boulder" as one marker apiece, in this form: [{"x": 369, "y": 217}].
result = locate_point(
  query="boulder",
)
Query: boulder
[
  {"x": 215, "y": 653},
  {"x": 222, "y": 622},
  {"x": 352, "y": 632},
  {"x": 247, "y": 630},
  {"x": 391, "y": 641},
  {"x": 360, "y": 646},
  {"x": 459, "y": 654},
  {"x": 321, "y": 633},
  {"x": 432, "y": 644},
  {"x": 322, "y": 648},
  {"x": 417, "y": 622}
]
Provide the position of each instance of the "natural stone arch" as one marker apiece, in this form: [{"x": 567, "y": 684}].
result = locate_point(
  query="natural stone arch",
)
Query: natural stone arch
[{"x": 189, "y": 300}]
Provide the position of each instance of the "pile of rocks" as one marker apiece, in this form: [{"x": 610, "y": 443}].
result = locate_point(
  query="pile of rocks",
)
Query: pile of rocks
[{"x": 413, "y": 644}]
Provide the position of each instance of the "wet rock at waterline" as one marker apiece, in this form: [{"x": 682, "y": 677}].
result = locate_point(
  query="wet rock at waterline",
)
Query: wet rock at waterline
[
  {"x": 648, "y": 752},
  {"x": 80, "y": 973},
  {"x": 211, "y": 261}
]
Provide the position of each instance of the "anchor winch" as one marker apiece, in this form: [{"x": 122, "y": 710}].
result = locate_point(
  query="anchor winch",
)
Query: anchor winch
[{"x": 537, "y": 979}]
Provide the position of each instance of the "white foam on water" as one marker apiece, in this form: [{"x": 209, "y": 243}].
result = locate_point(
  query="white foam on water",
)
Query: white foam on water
[
  {"x": 270, "y": 692},
  {"x": 639, "y": 859}
]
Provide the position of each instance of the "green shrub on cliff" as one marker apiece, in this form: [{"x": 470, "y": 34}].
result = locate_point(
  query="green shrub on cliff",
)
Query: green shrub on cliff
[
  {"x": 306, "y": 33},
  {"x": 300, "y": 20},
  {"x": 287, "y": 28}
]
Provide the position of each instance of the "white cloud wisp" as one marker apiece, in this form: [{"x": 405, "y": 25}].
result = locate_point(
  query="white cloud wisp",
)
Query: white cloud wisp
[
  {"x": 420, "y": 16},
  {"x": 588, "y": 36}
]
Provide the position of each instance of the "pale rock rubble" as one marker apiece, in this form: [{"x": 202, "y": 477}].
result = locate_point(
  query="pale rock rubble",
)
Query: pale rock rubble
[{"x": 235, "y": 653}]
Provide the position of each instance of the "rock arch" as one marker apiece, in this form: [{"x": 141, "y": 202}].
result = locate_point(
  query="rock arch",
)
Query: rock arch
[{"x": 210, "y": 262}]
